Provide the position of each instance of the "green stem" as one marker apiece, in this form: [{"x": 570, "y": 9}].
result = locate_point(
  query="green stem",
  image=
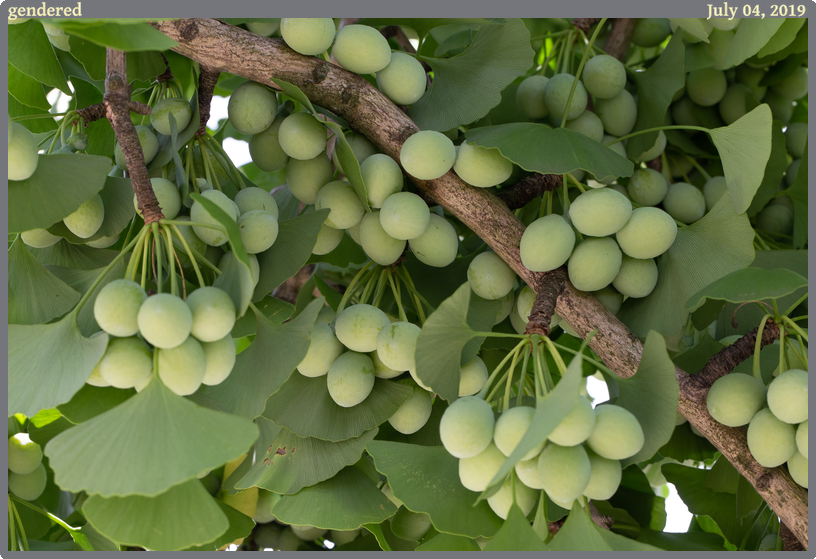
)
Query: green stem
[
  {"x": 793, "y": 349},
  {"x": 793, "y": 325},
  {"x": 352, "y": 285},
  {"x": 370, "y": 285},
  {"x": 538, "y": 376},
  {"x": 47, "y": 514},
  {"x": 22, "y": 527},
  {"x": 145, "y": 252},
  {"x": 581, "y": 68},
  {"x": 697, "y": 166},
  {"x": 104, "y": 272},
  {"x": 578, "y": 184},
  {"x": 239, "y": 179},
  {"x": 757, "y": 373},
  {"x": 597, "y": 364},
  {"x": 559, "y": 362},
  {"x": 397, "y": 297},
  {"x": 545, "y": 369},
  {"x": 190, "y": 255},
  {"x": 509, "y": 385},
  {"x": 496, "y": 371},
  {"x": 171, "y": 259},
  {"x": 133, "y": 265},
  {"x": 12, "y": 527},
  {"x": 792, "y": 308},
  {"x": 194, "y": 224},
  {"x": 523, "y": 378},
  {"x": 158, "y": 249}
]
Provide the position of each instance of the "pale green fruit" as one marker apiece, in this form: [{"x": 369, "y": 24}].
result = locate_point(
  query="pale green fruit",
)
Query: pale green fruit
[
  {"x": 576, "y": 427},
  {"x": 396, "y": 345},
  {"x": 556, "y": 95},
  {"x": 126, "y": 363},
  {"x": 482, "y": 167},
  {"x": 103, "y": 242},
  {"x": 306, "y": 177},
  {"x": 772, "y": 442},
  {"x": 792, "y": 171},
  {"x": 326, "y": 316},
  {"x": 361, "y": 147},
  {"x": 438, "y": 245},
  {"x": 252, "y": 108},
  {"x": 604, "y": 76},
  {"x": 308, "y": 533},
  {"x": 361, "y": 49},
  {"x": 713, "y": 190},
  {"x": 547, "y": 243},
  {"x": 600, "y": 212},
  {"x": 87, "y": 219},
  {"x": 752, "y": 77},
  {"x": 706, "y": 86},
  {"x": 490, "y": 277},
  {"x": 734, "y": 399},
  {"x": 28, "y": 487},
  {"x": 265, "y": 148},
  {"x": 254, "y": 198},
  {"x": 564, "y": 471},
  {"x": 381, "y": 247},
  {"x": 117, "y": 306},
  {"x": 307, "y": 35},
  {"x": 604, "y": 478},
  {"x": 413, "y": 414},
  {"x": 636, "y": 278},
  {"x": 525, "y": 302},
  {"x": 328, "y": 239},
  {"x": 654, "y": 151},
  {"x": 594, "y": 264},
  {"x": 263, "y": 511},
  {"x": 167, "y": 196},
  {"x": 213, "y": 313},
  {"x": 798, "y": 468},
  {"x": 618, "y": 114},
  {"x": 39, "y": 238},
  {"x": 22, "y": 152},
  {"x": 788, "y": 396},
  {"x": 358, "y": 327},
  {"x": 213, "y": 237},
  {"x": 530, "y": 97},
  {"x": 617, "y": 434},
  {"x": 419, "y": 382},
  {"x": 382, "y": 177},
  {"x": 427, "y": 155},
  {"x": 796, "y": 136},
  {"x": 609, "y": 298},
  {"x": 24, "y": 455},
  {"x": 466, "y": 428},
  {"x": 96, "y": 379},
  {"x": 149, "y": 143},
  {"x": 588, "y": 124},
  {"x": 501, "y": 501},
  {"x": 776, "y": 219},
  {"x": 527, "y": 472},
  {"x": 647, "y": 187},
  {"x": 472, "y": 377},
  {"x": 802, "y": 438},
  {"x": 781, "y": 108},
  {"x": 403, "y": 80},
  {"x": 725, "y": 24},
  {"x": 302, "y": 136},
  {"x": 165, "y": 321},
  {"x": 182, "y": 368},
  {"x": 510, "y": 428},
  {"x": 259, "y": 230},
  {"x": 262, "y": 28},
  {"x": 648, "y": 233},
  {"x": 508, "y": 304},
  {"x": 684, "y": 202},
  {"x": 732, "y": 107},
  {"x": 409, "y": 525},
  {"x": 254, "y": 265},
  {"x": 220, "y": 356},
  {"x": 350, "y": 379},
  {"x": 794, "y": 86},
  {"x": 381, "y": 370},
  {"x": 345, "y": 208},
  {"x": 650, "y": 31},
  {"x": 343, "y": 537},
  {"x": 683, "y": 113},
  {"x": 404, "y": 216},
  {"x": 287, "y": 540},
  {"x": 160, "y": 116},
  {"x": 324, "y": 349}
]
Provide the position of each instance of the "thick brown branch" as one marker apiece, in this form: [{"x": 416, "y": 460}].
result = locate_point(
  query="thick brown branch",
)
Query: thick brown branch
[
  {"x": 167, "y": 75},
  {"x": 550, "y": 287},
  {"x": 92, "y": 113},
  {"x": 139, "y": 108},
  {"x": 618, "y": 41},
  {"x": 528, "y": 189},
  {"x": 206, "y": 85},
  {"x": 288, "y": 290},
  {"x": 789, "y": 541},
  {"x": 656, "y": 164},
  {"x": 585, "y": 23},
  {"x": 231, "y": 49},
  {"x": 118, "y": 106}
]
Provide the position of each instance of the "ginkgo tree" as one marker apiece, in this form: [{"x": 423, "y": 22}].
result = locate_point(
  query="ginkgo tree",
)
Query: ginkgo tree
[{"x": 378, "y": 334}]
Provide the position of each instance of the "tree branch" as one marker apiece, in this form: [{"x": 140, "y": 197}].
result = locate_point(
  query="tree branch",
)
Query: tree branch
[
  {"x": 618, "y": 41},
  {"x": 585, "y": 23},
  {"x": 367, "y": 110},
  {"x": 206, "y": 85},
  {"x": 528, "y": 189},
  {"x": 550, "y": 287}
]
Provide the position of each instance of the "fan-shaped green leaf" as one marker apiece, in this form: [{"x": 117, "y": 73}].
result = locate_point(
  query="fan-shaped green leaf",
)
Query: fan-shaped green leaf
[
  {"x": 117, "y": 197},
  {"x": 578, "y": 533},
  {"x": 30, "y": 51},
  {"x": 692, "y": 25},
  {"x": 347, "y": 252},
  {"x": 351, "y": 167},
  {"x": 516, "y": 534},
  {"x": 685, "y": 445},
  {"x": 91, "y": 401},
  {"x": 26, "y": 89},
  {"x": 36, "y": 125},
  {"x": 750, "y": 38},
  {"x": 134, "y": 37},
  {"x": 783, "y": 37},
  {"x": 774, "y": 170},
  {"x": 749, "y": 284},
  {"x": 621, "y": 543},
  {"x": 140, "y": 65},
  {"x": 275, "y": 310},
  {"x": 65, "y": 255},
  {"x": 240, "y": 526},
  {"x": 689, "y": 541},
  {"x": 449, "y": 542}
]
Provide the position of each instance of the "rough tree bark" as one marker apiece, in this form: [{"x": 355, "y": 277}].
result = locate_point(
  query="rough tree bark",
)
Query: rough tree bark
[
  {"x": 231, "y": 49},
  {"x": 619, "y": 36}
]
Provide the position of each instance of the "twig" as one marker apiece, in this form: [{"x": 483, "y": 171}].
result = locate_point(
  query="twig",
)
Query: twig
[
  {"x": 618, "y": 42},
  {"x": 528, "y": 189},
  {"x": 552, "y": 284},
  {"x": 206, "y": 85},
  {"x": 585, "y": 23}
]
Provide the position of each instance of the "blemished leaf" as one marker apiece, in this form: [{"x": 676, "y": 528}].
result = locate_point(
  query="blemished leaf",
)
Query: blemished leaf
[
  {"x": 426, "y": 479},
  {"x": 749, "y": 284},
  {"x": 685, "y": 445},
  {"x": 30, "y": 51},
  {"x": 449, "y": 542},
  {"x": 774, "y": 170},
  {"x": 35, "y": 295},
  {"x": 240, "y": 526},
  {"x": 91, "y": 401},
  {"x": 692, "y": 25},
  {"x": 117, "y": 198},
  {"x": 129, "y": 38},
  {"x": 783, "y": 37},
  {"x": 541, "y": 149},
  {"x": 751, "y": 37},
  {"x": 516, "y": 534},
  {"x": 274, "y": 309},
  {"x": 344, "y": 502},
  {"x": 578, "y": 532},
  {"x": 303, "y": 405},
  {"x": 262, "y": 368},
  {"x": 184, "y": 516},
  {"x": 153, "y": 427},
  {"x": 716, "y": 245},
  {"x": 37, "y": 380},
  {"x": 26, "y": 89},
  {"x": 65, "y": 181},
  {"x": 744, "y": 148},
  {"x": 468, "y": 85}
]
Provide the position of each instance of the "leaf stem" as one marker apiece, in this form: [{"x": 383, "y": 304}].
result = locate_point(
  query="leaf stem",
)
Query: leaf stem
[
  {"x": 757, "y": 373},
  {"x": 396, "y": 296},
  {"x": 498, "y": 368},
  {"x": 580, "y": 69},
  {"x": 792, "y": 308},
  {"x": 190, "y": 254},
  {"x": 157, "y": 240},
  {"x": 352, "y": 285},
  {"x": 658, "y": 129},
  {"x": 793, "y": 325}
]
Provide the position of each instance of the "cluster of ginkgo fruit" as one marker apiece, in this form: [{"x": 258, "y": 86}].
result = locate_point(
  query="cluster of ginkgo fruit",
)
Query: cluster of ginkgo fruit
[{"x": 27, "y": 477}]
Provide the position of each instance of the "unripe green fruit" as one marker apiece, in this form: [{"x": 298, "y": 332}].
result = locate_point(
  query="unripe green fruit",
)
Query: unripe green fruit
[
  {"x": 264, "y": 29},
  {"x": 220, "y": 356},
  {"x": 96, "y": 379},
  {"x": 525, "y": 302},
  {"x": 103, "y": 242},
  {"x": 604, "y": 478},
  {"x": 751, "y": 77},
  {"x": 472, "y": 377},
  {"x": 408, "y": 525},
  {"x": 24, "y": 455},
  {"x": 87, "y": 219},
  {"x": 490, "y": 277},
  {"x": 604, "y": 76},
  {"x": 519, "y": 324},
  {"x": 28, "y": 487},
  {"x": 413, "y": 414},
  {"x": 306, "y": 177},
  {"x": 788, "y": 396},
  {"x": 719, "y": 43},
  {"x": 734, "y": 399},
  {"x": 358, "y": 327},
  {"x": 508, "y": 304},
  {"x": 382, "y": 177},
  {"x": 547, "y": 243},
  {"x": 381, "y": 370},
  {"x": 576, "y": 427},
  {"x": 324, "y": 349},
  {"x": 361, "y": 49},
  {"x": 148, "y": 142},
  {"x": 213, "y": 237},
  {"x": 345, "y": 207},
  {"x": 328, "y": 238},
  {"x": 706, "y": 86},
  {"x": 438, "y": 245},
  {"x": 794, "y": 86},
  {"x": 713, "y": 190},
  {"x": 482, "y": 167},
  {"x": 427, "y": 155},
  {"x": 792, "y": 171},
  {"x": 213, "y": 313},
  {"x": 772, "y": 442},
  {"x": 588, "y": 124},
  {"x": 781, "y": 108},
  {"x": 254, "y": 266},
  {"x": 182, "y": 368},
  {"x": 265, "y": 148},
  {"x": 361, "y": 147},
  {"x": 165, "y": 321},
  {"x": 530, "y": 97},
  {"x": 126, "y": 363},
  {"x": 396, "y": 345},
  {"x": 302, "y": 136},
  {"x": 254, "y": 198},
  {"x": 654, "y": 152},
  {"x": 287, "y": 540},
  {"x": 381, "y": 247},
  {"x": 466, "y": 428},
  {"x": 403, "y": 80},
  {"x": 501, "y": 501},
  {"x": 556, "y": 95},
  {"x": 775, "y": 219},
  {"x": 307, "y": 35},
  {"x": 618, "y": 114},
  {"x": 682, "y": 112},
  {"x": 252, "y": 108},
  {"x": 117, "y": 306},
  {"x": 343, "y": 537},
  {"x": 684, "y": 202},
  {"x": 650, "y": 31},
  {"x": 594, "y": 264},
  {"x": 22, "y": 152},
  {"x": 263, "y": 511},
  {"x": 802, "y": 439},
  {"x": 564, "y": 471},
  {"x": 647, "y": 187},
  {"x": 167, "y": 196},
  {"x": 798, "y": 468},
  {"x": 527, "y": 472},
  {"x": 405, "y": 216},
  {"x": 732, "y": 107},
  {"x": 259, "y": 230},
  {"x": 617, "y": 434},
  {"x": 600, "y": 212},
  {"x": 307, "y": 533},
  {"x": 648, "y": 233},
  {"x": 39, "y": 238},
  {"x": 724, "y": 23},
  {"x": 511, "y": 427},
  {"x": 796, "y": 136},
  {"x": 609, "y": 298},
  {"x": 636, "y": 278},
  {"x": 350, "y": 378},
  {"x": 160, "y": 116}
]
